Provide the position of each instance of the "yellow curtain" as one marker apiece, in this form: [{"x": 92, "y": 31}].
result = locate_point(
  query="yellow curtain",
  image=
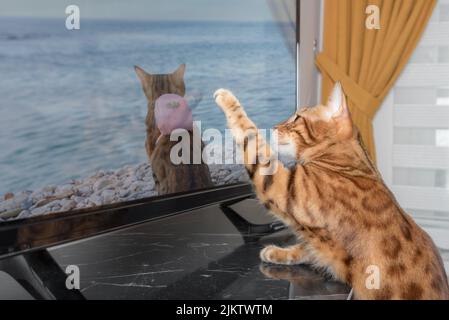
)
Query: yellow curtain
[{"x": 368, "y": 61}]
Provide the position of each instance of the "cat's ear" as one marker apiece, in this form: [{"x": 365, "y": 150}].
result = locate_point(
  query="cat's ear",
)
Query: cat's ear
[
  {"x": 177, "y": 77},
  {"x": 337, "y": 102},
  {"x": 143, "y": 76},
  {"x": 178, "y": 74},
  {"x": 339, "y": 112}
]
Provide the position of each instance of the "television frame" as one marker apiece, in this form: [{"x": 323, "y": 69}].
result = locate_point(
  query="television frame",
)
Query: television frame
[{"x": 24, "y": 236}]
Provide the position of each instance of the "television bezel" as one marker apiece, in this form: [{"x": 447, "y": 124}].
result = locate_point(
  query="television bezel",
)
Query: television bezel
[{"x": 41, "y": 232}]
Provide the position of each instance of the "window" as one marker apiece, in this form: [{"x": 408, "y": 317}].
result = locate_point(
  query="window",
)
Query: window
[
  {"x": 412, "y": 132},
  {"x": 73, "y": 111}
]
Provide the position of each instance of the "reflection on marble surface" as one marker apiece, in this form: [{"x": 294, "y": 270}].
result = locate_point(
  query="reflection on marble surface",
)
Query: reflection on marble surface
[
  {"x": 208, "y": 253},
  {"x": 196, "y": 255}
]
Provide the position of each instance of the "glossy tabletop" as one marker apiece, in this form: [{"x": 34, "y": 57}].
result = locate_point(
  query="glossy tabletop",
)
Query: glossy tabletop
[{"x": 201, "y": 254}]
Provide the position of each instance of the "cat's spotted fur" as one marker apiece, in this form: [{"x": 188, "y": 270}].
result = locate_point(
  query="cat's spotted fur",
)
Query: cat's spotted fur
[
  {"x": 169, "y": 177},
  {"x": 334, "y": 199}
]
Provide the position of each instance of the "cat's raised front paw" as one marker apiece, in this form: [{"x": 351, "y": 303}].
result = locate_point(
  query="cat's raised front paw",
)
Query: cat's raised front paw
[{"x": 225, "y": 98}]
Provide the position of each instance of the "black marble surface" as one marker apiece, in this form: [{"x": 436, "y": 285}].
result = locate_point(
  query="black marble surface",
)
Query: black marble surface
[{"x": 194, "y": 255}]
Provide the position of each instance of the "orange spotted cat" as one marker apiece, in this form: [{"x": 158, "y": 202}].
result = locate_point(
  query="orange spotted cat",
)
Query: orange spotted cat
[{"x": 346, "y": 219}]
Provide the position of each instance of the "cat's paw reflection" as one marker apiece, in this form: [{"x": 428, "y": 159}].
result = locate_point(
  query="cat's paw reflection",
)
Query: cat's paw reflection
[
  {"x": 279, "y": 272},
  {"x": 295, "y": 274},
  {"x": 305, "y": 282}
]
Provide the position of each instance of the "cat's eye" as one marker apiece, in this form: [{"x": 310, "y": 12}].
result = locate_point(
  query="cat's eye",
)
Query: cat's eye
[
  {"x": 296, "y": 117},
  {"x": 293, "y": 118}
]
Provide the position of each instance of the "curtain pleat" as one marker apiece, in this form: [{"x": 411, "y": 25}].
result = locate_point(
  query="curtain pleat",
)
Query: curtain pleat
[{"x": 368, "y": 62}]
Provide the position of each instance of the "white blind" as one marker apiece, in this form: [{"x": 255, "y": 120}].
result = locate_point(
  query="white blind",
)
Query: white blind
[{"x": 413, "y": 149}]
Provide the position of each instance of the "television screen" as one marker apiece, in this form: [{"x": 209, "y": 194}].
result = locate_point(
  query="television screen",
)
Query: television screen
[{"x": 94, "y": 93}]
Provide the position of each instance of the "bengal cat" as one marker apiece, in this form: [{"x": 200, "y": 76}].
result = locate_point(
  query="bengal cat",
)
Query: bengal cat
[
  {"x": 169, "y": 177},
  {"x": 334, "y": 199}
]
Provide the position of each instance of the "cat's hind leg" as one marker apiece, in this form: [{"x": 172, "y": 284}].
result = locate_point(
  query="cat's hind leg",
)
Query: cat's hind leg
[{"x": 295, "y": 254}]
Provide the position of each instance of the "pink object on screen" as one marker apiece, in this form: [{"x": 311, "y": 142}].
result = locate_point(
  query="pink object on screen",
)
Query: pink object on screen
[{"x": 172, "y": 112}]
